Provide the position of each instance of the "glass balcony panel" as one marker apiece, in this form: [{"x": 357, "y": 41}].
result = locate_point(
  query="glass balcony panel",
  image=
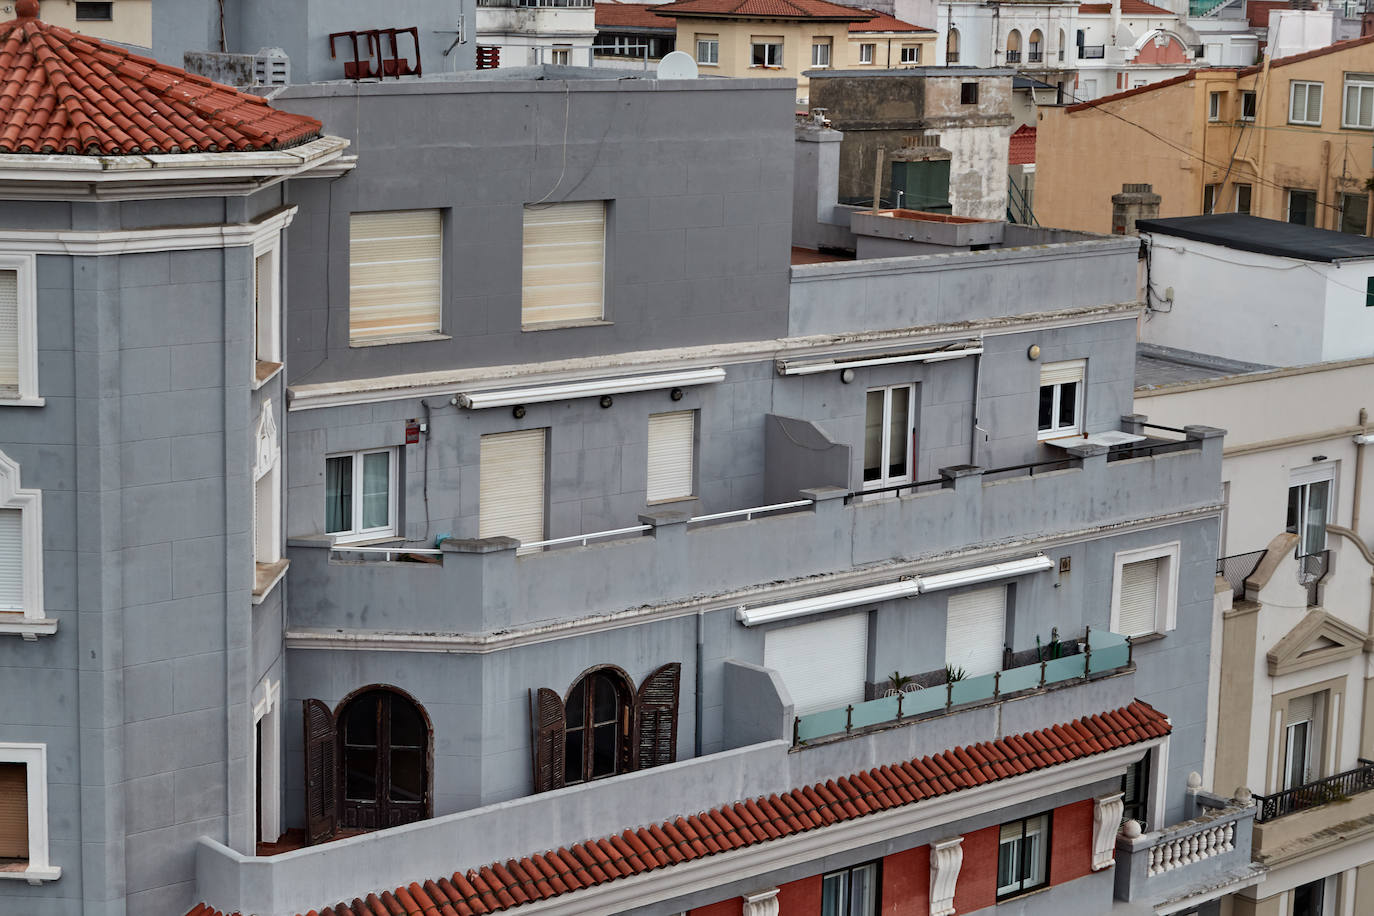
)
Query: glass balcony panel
[
  {"x": 876, "y": 711},
  {"x": 1023, "y": 678},
  {"x": 972, "y": 689},
  {"x": 1063, "y": 669},
  {"x": 820, "y": 724}
]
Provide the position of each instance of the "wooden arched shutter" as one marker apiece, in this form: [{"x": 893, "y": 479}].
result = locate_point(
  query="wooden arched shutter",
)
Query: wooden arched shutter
[
  {"x": 656, "y": 713},
  {"x": 547, "y": 722},
  {"x": 321, "y": 772}
]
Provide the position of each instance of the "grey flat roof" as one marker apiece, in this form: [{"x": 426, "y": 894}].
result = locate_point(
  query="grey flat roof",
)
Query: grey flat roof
[
  {"x": 1264, "y": 236},
  {"x": 1156, "y": 366}
]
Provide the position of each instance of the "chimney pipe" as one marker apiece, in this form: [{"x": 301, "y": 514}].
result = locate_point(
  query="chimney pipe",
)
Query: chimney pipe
[{"x": 1135, "y": 202}]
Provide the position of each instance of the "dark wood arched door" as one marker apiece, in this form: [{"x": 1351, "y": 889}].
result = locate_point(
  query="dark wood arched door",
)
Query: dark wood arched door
[{"x": 385, "y": 754}]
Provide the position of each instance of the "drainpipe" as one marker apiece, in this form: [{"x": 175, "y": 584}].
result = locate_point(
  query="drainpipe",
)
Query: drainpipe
[
  {"x": 1359, "y": 472},
  {"x": 1323, "y": 192},
  {"x": 977, "y": 385},
  {"x": 701, "y": 651}
]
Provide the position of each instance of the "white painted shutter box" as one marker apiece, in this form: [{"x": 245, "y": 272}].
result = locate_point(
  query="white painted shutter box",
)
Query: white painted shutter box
[
  {"x": 672, "y": 440},
  {"x": 1139, "y": 598},
  {"x": 1062, "y": 373},
  {"x": 823, "y": 664},
  {"x": 9, "y": 333},
  {"x": 395, "y": 273},
  {"x": 11, "y": 560},
  {"x": 512, "y": 486},
  {"x": 975, "y": 630},
  {"x": 1302, "y": 709},
  {"x": 564, "y": 262}
]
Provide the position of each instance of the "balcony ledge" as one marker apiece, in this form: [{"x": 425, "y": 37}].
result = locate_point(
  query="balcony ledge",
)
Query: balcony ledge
[{"x": 1315, "y": 842}]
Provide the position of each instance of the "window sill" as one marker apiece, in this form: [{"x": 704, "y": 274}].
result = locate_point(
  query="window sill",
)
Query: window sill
[
  {"x": 1047, "y": 435},
  {"x": 555, "y": 325},
  {"x": 670, "y": 500},
  {"x": 372, "y": 539},
  {"x": 28, "y": 627},
  {"x": 266, "y": 576},
  {"x": 399, "y": 339},
  {"x": 22, "y": 402},
  {"x": 1147, "y": 637},
  {"x": 264, "y": 372},
  {"x": 34, "y": 874}
]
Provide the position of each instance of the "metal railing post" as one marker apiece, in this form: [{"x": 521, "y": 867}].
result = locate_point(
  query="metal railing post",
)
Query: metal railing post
[{"x": 849, "y": 718}]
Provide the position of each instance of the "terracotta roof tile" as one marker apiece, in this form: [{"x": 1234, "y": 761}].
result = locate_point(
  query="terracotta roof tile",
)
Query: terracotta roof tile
[
  {"x": 1128, "y": 8},
  {"x": 497, "y": 887},
  {"x": 630, "y": 16},
  {"x": 882, "y": 22},
  {"x": 61, "y": 93},
  {"x": 766, "y": 9},
  {"x": 1021, "y": 150}
]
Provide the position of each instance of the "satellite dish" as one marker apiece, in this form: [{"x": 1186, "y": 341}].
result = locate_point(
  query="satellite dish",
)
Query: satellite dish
[{"x": 677, "y": 65}]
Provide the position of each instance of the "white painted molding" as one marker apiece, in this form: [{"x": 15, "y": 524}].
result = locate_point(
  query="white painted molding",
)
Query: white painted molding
[
  {"x": 946, "y": 858},
  {"x": 24, "y": 264},
  {"x": 92, "y": 243},
  {"x": 1166, "y": 601},
  {"x": 1107, "y": 811},
  {"x": 761, "y": 903},
  {"x": 267, "y": 450},
  {"x": 30, "y": 506},
  {"x": 35, "y": 760}
]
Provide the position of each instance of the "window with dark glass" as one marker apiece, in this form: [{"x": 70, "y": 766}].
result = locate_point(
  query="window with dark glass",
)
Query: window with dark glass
[
  {"x": 94, "y": 11},
  {"x": 968, "y": 93},
  {"x": 1023, "y": 856},
  {"x": 598, "y": 726},
  {"x": 1302, "y": 207},
  {"x": 851, "y": 892},
  {"x": 1243, "y": 198},
  {"x": 1308, "y": 512},
  {"x": 1247, "y": 106},
  {"x": 1135, "y": 793},
  {"x": 1308, "y": 899},
  {"x": 1354, "y": 209}
]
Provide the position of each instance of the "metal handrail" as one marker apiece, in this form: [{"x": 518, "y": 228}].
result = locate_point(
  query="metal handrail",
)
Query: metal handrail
[
  {"x": 582, "y": 539},
  {"x": 895, "y": 488},
  {"x": 1316, "y": 793},
  {"x": 1030, "y": 466},
  {"x": 1238, "y": 567},
  {"x": 1167, "y": 429},
  {"x": 749, "y": 513},
  {"x": 420, "y": 551}
]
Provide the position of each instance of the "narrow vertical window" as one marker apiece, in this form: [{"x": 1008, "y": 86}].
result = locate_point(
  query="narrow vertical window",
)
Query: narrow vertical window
[
  {"x": 359, "y": 495},
  {"x": 511, "y": 498},
  {"x": 1023, "y": 856},
  {"x": 18, "y": 335},
  {"x": 889, "y": 428},
  {"x": 672, "y": 446},
  {"x": 1060, "y": 411}
]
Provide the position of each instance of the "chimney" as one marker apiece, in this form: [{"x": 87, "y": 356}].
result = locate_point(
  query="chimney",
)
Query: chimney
[{"x": 1135, "y": 202}]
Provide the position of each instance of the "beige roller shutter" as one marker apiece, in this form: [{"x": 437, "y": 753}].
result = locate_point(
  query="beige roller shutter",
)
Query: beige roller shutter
[
  {"x": 14, "y": 811},
  {"x": 976, "y": 630},
  {"x": 1139, "y": 598},
  {"x": 11, "y": 560},
  {"x": 1062, "y": 373},
  {"x": 564, "y": 262},
  {"x": 512, "y": 486},
  {"x": 9, "y": 333},
  {"x": 672, "y": 441},
  {"x": 823, "y": 664},
  {"x": 395, "y": 273}
]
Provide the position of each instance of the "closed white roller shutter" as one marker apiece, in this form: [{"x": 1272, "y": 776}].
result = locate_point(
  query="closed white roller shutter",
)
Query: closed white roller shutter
[
  {"x": 512, "y": 486},
  {"x": 395, "y": 273},
  {"x": 1062, "y": 373},
  {"x": 564, "y": 262},
  {"x": 672, "y": 439},
  {"x": 975, "y": 630},
  {"x": 9, "y": 333},
  {"x": 823, "y": 664},
  {"x": 1302, "y": 709},
  {"x": 1139, "y": 598},
  {"x": 11, "y": 560}
]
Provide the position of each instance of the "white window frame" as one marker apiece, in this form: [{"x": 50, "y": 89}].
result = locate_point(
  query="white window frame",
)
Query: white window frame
[
  {"x": 1304, "y": 477},
  {"x": 1166, "y": 591},
  {"x": 1254, "y": 104},
  {"x": 1306, "y": 101},
  {"x": 267, "y": 546},
  {"x": 28, "y": 622},
  {"x": 1360, "y": 84},
  {"x": 25, "y": 267},
  {"x": 1214, "y": 106},
  {"x": 561, "y": 55},
  {"x": 885, "y": 443},
  {"x": 1056, "y": 431},
  {"x": 711, "y": 45},
  {"x": 267, "y": 341},
  {"x": 915, "y": 54},
  {"x": 1044, "y": 836},
  {"x": 819, "y": 49},
  {"x": 34, "y": 757},
  {"x": 770, "y": 61},
  {"x": 355, "y": 534},
  {"x": 866, "y": 52},
  {"x": 651, "y": 498},
  {"x": 269, "y": 777}
]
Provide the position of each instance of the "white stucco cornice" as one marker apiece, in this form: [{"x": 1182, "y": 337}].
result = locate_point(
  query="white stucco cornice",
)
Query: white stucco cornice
[{"x": 94, "y": 243}]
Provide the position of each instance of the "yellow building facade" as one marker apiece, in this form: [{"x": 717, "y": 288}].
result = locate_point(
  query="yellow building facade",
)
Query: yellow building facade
[
  {"x": 129, "y": 22},
  {"x": 1291, "y": 139}
]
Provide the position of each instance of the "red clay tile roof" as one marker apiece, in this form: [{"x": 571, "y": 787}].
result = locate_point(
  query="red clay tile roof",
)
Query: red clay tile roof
[
  {"x": 1308, "y": 55},
  {"x": 66, "y": 93},
  {"x": 498, "y": 887},
  {"x": 1128, "y": 8},
  {"x": 1021, "y": 149},
  {"x": 882, "y": 22},
  {"x": 1138, "y": 90},
  {"x": 765, "y": 9},
  {"x": 629, "y": 16}
]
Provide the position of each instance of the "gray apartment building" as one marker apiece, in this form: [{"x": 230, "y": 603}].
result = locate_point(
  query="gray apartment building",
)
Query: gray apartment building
[{"x": 458, "y": 496}]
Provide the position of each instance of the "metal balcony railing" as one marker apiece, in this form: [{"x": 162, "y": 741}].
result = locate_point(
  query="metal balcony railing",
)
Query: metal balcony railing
[
  {"x": 1092, "y": 52},
  {"x": 1236, "y": 568},
  {"x": 1316, "y": 793},
  {"x": 1013, "y": 57},
  {"x": 1035, "y": 57},
  {"x": 1312, "y": 570}
]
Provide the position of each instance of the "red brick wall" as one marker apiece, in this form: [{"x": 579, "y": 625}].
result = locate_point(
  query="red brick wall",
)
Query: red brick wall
[
  {"x": 906, "y": 883},
  {"x": 1071, "y": 842},
  {"x": 732, "y": 907},
  {"x": 977, "y": 885},
  {"x": 800, "y": 898}
]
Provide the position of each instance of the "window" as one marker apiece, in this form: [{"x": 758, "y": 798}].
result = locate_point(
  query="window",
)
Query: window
[
  {"x": 1034, "y": 54},
  {"x": 18, "y": 331},
  {"x": 358, "y": 495},
  {"x": 563, "y": 266},
  {"x": 24, "y": 812},
  {"x": 1209, "y": 197},
  {"x": 1145, "y": 590},
  {"x": 820, "y": 54},
  {"x": 21, "y": 555},
  {"x": 1013, "y": 47},
  {"x": 1061, "y": 48},
  {"x": 1247, "y": 105},
  {"x": 1369, "y": 292},
  {"x": 866, "y": 53},
  {"x": 267, "y": 309},
  {"x": 267, "y": 492},
  {"x": 851, "y": 892},
  {"x": 1310, "y": 899},
  {"x": 911, "y": 54},
  {"x": 952, "y": 48},
  {"x": 708, "y": 50},
  {"x": 1061, "y": 399},
  {"x": 1214, "y": 108},
  {"x": 267, "y": 761},
  {"x": 1242, "y": 198},
  {"x": 1023, "y": 853},
  {"x": 1135, "y": 793},
  {"x": 395, "y": 275},
  {"x": 561, "y": 55},
  {"x": 976, "y": 630},
  {"x": 511, "y": 489},
  {"x": 766, "y": 52},
  {"x": 1302, "y": 744},
  {"x": 968, "y": 93},
  {"x": 672, "y": 444},
  {"x": 1359, "y": 103},
  {"x": 1304, "y": 103},
  {"x": 1302, "y": 207},
  {"x": 1311, "y": 504},
  {"x": 1354, "y": 210},
  {"x": 824, "y": 664},
  {"x": 889, "y": 434},
  {"x": 604, "y": 727},
  {"x": 94, "y": 11}
]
